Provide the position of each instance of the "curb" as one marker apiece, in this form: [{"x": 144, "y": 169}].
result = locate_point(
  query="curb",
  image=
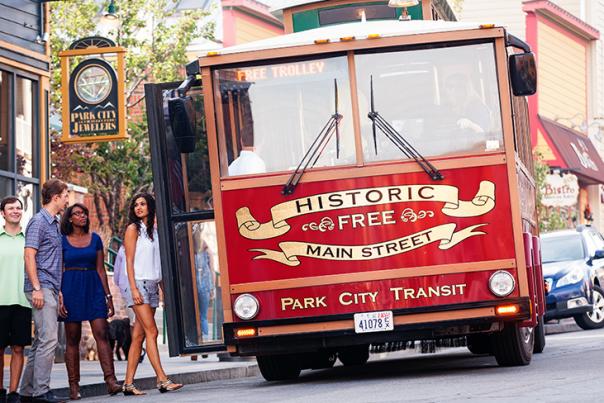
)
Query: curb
[
  {"x": 563, "y": 327},
  {"x": 99, "y": 389}
]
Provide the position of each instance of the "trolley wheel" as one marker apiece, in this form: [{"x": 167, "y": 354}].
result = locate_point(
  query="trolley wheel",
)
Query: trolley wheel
[
  {"x": 354, "y": 355},
  {"x": 479, "y": 343},
  {"x": 279, "y": 367},
  {"x": 513, "y": 346},
  {"x": 539, "y": 336}
]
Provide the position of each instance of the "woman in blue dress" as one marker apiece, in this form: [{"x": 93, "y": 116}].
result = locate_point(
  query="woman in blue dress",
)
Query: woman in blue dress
[{"x": 85, "y": 296}]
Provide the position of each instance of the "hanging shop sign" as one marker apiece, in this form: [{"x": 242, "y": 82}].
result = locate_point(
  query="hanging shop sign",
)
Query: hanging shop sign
[
  {"x": 93, "y": 92},
  {"x": 560, "y": 191}
]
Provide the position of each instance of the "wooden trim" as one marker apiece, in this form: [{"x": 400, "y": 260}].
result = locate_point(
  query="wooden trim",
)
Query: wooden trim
[
  {"x": 92, "y": 51},
  {"x": 398, "y": 320},
  {"x": 356, "y": 116},
  {"x": 24, "y": 52},
  {"x": 47, "y": 28},
  {"x": 288, "y": 21},
  {"x": 427, "y": 10},
  {"x": 220, "y": 130},
  {"x": 349, "y": 171},
  {"x": 313, "y": 49},
  {"x": 373, "y": 276},
  {"x": 43, "y": 140},
  {"x": 209, "y": 103},
  {"x": 24, "y": 67},
  {"x": 122, "y": 131},
  {"x": 65, "y": 98},
  {"x": 508, "y": 136}
]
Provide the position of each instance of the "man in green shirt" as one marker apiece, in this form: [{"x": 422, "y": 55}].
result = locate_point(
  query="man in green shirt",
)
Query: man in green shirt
[{"x": 15, "y": 310}]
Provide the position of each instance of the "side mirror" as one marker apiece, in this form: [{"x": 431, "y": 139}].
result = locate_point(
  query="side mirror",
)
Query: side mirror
[
  {"x": 523, "y": 73},
  {"x": 181, "y": 116},
  {"x": 599, "y": 254}
]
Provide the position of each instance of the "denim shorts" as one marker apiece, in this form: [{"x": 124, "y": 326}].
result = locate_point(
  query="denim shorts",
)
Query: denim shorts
[{"x": 149, "y": 290}]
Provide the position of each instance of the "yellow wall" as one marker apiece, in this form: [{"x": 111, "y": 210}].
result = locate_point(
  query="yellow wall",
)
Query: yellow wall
[
  {"x": 562, "y": 76},
  {"x": 248, "y": 32}
]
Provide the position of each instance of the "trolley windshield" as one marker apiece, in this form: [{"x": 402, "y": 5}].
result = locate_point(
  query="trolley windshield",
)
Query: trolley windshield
[{"x": 443, "y": 99}]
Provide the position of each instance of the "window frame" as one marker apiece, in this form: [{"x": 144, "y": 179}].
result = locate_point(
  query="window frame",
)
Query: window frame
[
  {"x": 352, "y": 71},
  {"x": 12, "y": 174}
]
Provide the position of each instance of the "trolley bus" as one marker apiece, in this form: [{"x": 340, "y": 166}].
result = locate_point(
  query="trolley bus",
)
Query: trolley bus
[{"x": 350, "y": 185}]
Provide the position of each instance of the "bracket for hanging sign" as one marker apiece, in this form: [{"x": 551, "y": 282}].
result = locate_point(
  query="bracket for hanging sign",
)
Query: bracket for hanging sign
[{"x": 94, "y": 108}]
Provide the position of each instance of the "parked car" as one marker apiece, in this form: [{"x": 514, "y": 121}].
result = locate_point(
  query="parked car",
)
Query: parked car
[{"x": 573, "y": 271}]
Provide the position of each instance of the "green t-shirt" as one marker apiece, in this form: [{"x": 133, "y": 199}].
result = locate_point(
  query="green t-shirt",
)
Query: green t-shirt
[{"x": 12, "y": 269}]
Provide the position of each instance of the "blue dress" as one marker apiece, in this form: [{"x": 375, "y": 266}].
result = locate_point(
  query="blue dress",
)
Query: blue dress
[{"x": 83, "y": 293}]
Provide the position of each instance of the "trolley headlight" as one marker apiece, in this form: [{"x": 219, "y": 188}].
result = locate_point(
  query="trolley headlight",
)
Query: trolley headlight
[
  {"x": 502, "y": 283},
  {"x": 246, "y": 306}
]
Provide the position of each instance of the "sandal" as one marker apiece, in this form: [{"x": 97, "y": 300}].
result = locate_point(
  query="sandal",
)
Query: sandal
[
  {"x": 168, "y": 386},
  {"x": 130, "y": 390}
]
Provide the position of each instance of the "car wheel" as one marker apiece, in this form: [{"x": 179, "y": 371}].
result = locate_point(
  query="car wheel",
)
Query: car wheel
[{"x": 595, "y": 318}]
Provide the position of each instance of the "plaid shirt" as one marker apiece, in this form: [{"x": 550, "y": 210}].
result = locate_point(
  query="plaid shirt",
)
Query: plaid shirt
[{"x": 43, "y": 234}]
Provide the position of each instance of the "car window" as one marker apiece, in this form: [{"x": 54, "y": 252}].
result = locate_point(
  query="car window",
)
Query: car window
[{"x": 562, "y": 248}]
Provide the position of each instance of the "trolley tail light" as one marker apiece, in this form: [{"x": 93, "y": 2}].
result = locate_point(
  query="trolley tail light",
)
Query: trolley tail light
[
  {"x": 243, "y": 332},
  {"x": 504, "y": 310}
]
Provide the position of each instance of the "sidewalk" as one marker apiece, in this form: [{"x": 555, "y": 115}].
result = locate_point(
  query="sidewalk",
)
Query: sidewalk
[{"x": 179, "y": 369}]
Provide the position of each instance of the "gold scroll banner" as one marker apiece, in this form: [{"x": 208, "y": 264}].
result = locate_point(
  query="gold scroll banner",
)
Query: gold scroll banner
[
  {"x": 445, "y": 234},
  {"x": 482, "y": 203}
]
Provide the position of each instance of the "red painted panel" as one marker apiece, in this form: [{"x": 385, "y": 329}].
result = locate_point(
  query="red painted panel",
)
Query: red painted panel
[
  {"x": 373, "y": 223},
  {"x": 376, "y": 295}
]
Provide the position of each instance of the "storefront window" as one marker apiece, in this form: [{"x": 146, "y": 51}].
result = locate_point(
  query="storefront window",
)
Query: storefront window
[
  {"x": 24, "y": 126},
  {"x": 272, "y": 114},
  {"x": 5, "y": 113},
  {"x": 18, "y": 139},
  {"x": 441, "y": 100}
]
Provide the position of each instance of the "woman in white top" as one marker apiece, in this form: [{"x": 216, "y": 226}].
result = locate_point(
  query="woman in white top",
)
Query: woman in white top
[{"x": 144, "y": 276}]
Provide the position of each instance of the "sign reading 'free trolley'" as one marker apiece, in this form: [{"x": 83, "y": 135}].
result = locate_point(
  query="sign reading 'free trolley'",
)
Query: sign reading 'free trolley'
[{"x": 378, "y": 224}]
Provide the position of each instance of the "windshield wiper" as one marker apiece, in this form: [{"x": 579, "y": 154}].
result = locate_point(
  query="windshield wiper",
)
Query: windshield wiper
[
  {"x": 316, "y": 148},
  {"x": 399, "y": 141}
]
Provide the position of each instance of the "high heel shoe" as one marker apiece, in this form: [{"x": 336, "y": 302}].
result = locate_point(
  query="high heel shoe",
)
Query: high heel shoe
[
  {"x": 130, "y": 390},
  {"x": 168, "y": 386}
]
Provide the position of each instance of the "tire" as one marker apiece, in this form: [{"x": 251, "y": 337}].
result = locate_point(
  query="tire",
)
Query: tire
[
  {"x": 279, "y": 367},
  {"x": 594, "y": 319},
  {"x": 354, "y": 355},
  {"x": 513, "y": 346},
  {"x": 479, "y": 344},
  {"x": 539, "y": 336}
]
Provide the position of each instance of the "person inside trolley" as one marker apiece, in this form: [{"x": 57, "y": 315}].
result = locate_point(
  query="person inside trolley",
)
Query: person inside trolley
[{"x": 248, "y": 162}]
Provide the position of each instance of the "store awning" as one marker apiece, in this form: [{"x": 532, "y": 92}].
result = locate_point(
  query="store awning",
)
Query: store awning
[{"x": 577, "y": 150}]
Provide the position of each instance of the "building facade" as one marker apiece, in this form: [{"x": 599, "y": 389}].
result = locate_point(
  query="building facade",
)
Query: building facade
[
  {"x": 24, "y": 88},
  {"x": 565, "y": 129}
]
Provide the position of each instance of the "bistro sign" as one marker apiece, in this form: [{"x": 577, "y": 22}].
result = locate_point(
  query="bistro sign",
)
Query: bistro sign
[
  {"x": 560, "y": 191},
  {"x": 93, "y": 100}
]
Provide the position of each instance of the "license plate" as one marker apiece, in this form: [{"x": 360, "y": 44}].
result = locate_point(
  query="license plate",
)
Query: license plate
[{"x": 368, "y": 322}]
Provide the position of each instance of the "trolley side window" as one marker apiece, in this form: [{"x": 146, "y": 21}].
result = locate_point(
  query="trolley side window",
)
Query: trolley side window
[
  {"x": 271, "y": 114},
  {"x": 444, "y": 100}
]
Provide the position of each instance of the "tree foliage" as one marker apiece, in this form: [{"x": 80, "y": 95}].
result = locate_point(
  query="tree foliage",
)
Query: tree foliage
[{"x": 156, "y": 39}]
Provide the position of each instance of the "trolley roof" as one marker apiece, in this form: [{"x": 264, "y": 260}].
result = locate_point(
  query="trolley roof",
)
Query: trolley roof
[{"x": 359, "y": 30}]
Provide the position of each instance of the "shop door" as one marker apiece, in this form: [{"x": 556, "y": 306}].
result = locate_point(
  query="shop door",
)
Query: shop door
[{"x": 187, "y": 233}]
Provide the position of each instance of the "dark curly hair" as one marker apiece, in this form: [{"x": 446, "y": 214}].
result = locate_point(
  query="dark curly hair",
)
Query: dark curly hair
[
  {"x": 133, "y": 219},
  {"x": 67, "y": 226}
]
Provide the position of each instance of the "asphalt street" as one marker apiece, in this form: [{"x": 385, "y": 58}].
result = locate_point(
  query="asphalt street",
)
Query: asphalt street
[{"x": 569, "y": 370}]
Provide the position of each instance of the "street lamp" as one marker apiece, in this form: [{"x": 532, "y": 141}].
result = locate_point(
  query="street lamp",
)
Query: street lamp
[
  {"x": 110, "y": 14},
  {"x": 403, "y": 4}
]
